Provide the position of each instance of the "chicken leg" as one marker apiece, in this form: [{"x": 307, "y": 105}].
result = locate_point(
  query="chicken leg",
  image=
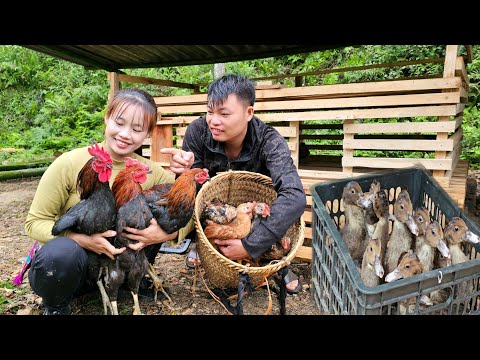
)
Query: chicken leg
[
  {"x": 157, "y": 283},
  {"x": 105, "y": 300},
  {"x": 136, "y": 304}
]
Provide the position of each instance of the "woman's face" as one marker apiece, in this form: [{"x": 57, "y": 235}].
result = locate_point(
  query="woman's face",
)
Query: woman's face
[{"x": 125, "y": 132}]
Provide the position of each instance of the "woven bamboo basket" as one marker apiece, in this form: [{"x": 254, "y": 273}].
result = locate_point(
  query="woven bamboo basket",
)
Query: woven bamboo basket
[{"x": 234, "y": 188}]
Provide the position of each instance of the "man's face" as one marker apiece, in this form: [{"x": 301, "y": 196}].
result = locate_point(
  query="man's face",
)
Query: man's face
[{"x": 228, "y": 122}]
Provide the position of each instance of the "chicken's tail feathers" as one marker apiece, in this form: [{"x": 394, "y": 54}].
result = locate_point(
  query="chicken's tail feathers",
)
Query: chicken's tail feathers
[{"x": 63, "y": 224}]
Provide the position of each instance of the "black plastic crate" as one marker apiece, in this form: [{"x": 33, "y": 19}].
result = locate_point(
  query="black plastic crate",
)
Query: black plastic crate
[{"x": 336, "y": 283}]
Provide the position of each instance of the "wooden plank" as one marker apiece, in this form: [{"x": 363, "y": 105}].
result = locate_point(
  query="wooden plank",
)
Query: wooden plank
[
  {"x": 162, "y": 137},
  {"x": 406, "y": 145},
  {"x": 381, "y": 113},
  {"x": 295, "y": 126},
  {"x": 458, "y": 121},
  {"x": 308, "y": 233},
  {"x": 114, "y": 84},
  {"x": 448, "y": 71},
  {"x": 181, "y": 99},
  {"x": 469, "y": 53},
  {"x": 146, "y": 80},
  {"x": 454, "y": 155},
  {"x": 456, "y": 137},
  {"x": 347, "y": 153},
  {"x": 304, "y": 253},
  {"x": 285, "y": 131},
  {"x": 342, "y": 103},
  {"x": 292, "y": 146},
  {"x": 309, "y": 200},
  {"x": 360, "y": 88},
  {"x": 402, "y": 127},
  {"x": 450, "y": 61},
  {"x": 397, "y": 163},
  {"x": 318, "y": 175},
  {"x": 461, "y": 71},
  {"x": 329, "y": 90},
  {"x": 176, "y": 120},
  {"x": 307, "y": 216}
]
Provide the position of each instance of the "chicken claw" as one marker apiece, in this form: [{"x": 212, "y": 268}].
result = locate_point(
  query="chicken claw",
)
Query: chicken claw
[
  {"x": 105, "y": 300},
  {"x": 157, "y": 283}
]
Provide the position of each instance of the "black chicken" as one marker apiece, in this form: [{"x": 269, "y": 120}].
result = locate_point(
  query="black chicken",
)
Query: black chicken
[
  {"x": 132, "y": 211},
  {"x": 172, "y": 205},
  {"x": 94, "y": 213}
]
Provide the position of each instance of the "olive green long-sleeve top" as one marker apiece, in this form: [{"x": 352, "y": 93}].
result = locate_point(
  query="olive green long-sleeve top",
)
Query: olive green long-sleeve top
[{"x": 57, "y": 192}]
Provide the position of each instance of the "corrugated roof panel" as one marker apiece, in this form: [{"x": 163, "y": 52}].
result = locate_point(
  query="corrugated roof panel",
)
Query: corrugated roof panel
[{"x": 117, "y": 57}]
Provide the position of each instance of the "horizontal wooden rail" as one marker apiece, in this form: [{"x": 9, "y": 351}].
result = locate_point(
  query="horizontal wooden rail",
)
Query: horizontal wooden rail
[
  {"x": 403, "y": 127},
  {"x": 146, "y": 80},
  {"x": 366, "y": 101},
  {"x": 408, "y": 145},
  {"x": 338, "y": 90},
  {"x": 381, "y": 113},
  {"x": 396, "y": 163}
]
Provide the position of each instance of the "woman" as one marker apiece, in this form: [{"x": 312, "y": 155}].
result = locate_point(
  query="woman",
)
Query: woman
[{"x": 130, "y": 117}]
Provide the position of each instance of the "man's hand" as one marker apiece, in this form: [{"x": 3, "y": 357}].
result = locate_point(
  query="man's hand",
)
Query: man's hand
[
  {"x": 232, "y": 249},
  {"x": 180, "y": 161}
]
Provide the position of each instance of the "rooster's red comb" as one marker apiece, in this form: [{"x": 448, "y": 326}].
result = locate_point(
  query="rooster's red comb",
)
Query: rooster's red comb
[
  {"x": 129, "y": 162},
  {"x": 99, "y": 152}
]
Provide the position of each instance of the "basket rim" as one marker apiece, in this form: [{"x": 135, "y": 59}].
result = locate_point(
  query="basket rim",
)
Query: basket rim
[{"x": 270, "y": 268}]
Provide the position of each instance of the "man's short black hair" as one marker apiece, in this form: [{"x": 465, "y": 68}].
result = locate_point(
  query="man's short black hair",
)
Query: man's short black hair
[{"x": 220, "y": 89}]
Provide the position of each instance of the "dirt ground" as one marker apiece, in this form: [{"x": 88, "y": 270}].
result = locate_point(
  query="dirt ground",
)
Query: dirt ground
[
  {"x": 15, "y": 199},
  {"x": 189, "y": 294}
]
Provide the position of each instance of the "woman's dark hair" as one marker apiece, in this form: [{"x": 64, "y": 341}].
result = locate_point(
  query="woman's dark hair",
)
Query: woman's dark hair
[
  {"x": 220, "y": 89},
  {"x": 126, "y": 97}
]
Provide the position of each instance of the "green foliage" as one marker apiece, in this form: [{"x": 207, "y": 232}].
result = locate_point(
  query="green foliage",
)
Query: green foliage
[{"x": 47, "y": 104}]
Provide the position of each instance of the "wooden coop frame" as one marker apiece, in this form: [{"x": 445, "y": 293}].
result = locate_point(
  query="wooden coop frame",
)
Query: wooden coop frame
[{"x": 289, "y": 109}]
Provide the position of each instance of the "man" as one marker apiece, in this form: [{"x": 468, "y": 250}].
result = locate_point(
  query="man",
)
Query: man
[{"x": 231, "y": 137}]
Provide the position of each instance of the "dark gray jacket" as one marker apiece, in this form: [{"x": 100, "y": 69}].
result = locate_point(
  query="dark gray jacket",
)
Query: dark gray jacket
[{"x": 264, "y": 151}]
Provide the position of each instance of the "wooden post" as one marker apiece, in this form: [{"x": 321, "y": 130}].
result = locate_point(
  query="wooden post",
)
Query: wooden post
[
  {"x": 448, "y": 72},
  {"x": 114, "y": 84},
  {"x": 298, "y": 81},
  {"x": 295, "y": 142},
  {"x": 347, "y": 153},
  {"x": 162, "y": 137}
]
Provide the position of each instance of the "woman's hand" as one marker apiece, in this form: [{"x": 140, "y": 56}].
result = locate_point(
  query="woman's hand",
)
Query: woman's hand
[
  {"x": 153, "y": 234},
  {"x": 98, "y": 243},
  {"x": 180, "y": 161}
]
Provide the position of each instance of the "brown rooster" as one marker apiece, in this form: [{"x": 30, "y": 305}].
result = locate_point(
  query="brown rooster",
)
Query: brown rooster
[
  {"x": 94, "y": 213},
  {"x": 132, "y": 211},
  {"x": 172, "y": 205}
]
